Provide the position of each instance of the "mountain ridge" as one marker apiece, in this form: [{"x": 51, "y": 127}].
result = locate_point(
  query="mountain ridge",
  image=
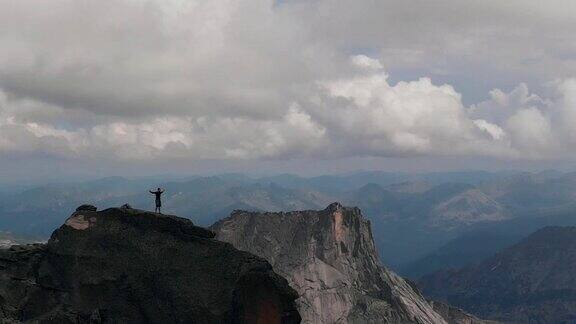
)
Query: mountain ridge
[{"x": 531, "y": 281}]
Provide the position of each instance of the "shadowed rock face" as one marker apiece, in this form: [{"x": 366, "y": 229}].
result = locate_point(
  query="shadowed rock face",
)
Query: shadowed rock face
[
  {"x": 329, "y": 257},
  {"x": 130, "y": 266}
]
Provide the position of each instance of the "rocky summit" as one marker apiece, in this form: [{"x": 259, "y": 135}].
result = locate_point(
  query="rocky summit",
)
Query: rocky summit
[
  {"x": 329, "y": 257},
  {"x": 123, "y": 265}
]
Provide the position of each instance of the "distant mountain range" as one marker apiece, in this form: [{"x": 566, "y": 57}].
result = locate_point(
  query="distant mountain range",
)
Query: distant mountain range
[
  {"x": 413, "y": 216},
  {"x": 484, "y": 240},
  {"x": 531, "y": 282},
  {"x": 8, "y": 239}
]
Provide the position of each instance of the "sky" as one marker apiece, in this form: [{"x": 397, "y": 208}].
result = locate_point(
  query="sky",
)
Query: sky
[{"x": 96, "y": 88}]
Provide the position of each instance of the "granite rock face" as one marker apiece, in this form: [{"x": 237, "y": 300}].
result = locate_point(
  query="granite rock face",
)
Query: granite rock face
[
  {"x": 329, "y": 257},
  {"x": 533, "y": 281},
  {"x": 129, "y": 266}
]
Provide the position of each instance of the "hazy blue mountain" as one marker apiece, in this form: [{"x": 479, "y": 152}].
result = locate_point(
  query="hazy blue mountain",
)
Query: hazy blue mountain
[
  {"x": 505, "y": 208},
  {"x": 410, "y": 187},
  {"x": 464, "y": 250},
  {"x": 39, "y": 210},
  {"x": 412, "y": 220},
  {"x": 8, "y": 239},
  {"x": 202, "y": 199},
  {"x": 412, "y": 215},
  {"x": 528, "y": 192},
  {"x": 485, "y": 240},
  {"x": 205, "y": 203},
  {"x": 532, "y": 281},
  {"x": 354, "y": 181}
]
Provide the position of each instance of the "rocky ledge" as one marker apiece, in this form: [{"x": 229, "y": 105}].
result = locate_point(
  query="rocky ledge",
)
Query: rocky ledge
[{"x": 122, "y": 265}]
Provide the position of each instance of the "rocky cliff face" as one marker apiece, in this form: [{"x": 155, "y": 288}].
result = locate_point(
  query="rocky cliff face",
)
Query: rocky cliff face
[
  {"x": 531, "y": 282},
  {"x": 129, "y": 266},
  {"x": 329, "y": 257}
]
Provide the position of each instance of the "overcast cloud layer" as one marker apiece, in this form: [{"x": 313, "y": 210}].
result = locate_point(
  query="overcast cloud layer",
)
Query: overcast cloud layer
[{"x": 139, "y": 80}]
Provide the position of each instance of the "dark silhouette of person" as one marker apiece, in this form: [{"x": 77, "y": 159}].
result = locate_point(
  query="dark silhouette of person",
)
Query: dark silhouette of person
[{"x": 158, "y": 193}]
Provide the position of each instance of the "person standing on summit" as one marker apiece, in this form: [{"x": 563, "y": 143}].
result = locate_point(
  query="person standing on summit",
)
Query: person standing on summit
[{"x": 158, "y": 193}]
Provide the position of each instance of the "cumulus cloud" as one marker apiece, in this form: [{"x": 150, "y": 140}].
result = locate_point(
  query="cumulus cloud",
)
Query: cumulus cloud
[
  {"x": 531, "y": 133},
  {"x": 365, "y": 62},
  {"x": 255, "y": 79},
  {"x": 360, "y": 115},
  {"x": 533, "y": 127},
  {"x": 408, "y": 118},
  {"x": 205, "y": 137}
]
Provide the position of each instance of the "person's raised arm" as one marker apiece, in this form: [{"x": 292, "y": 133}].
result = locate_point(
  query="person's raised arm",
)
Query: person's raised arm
[{"x": 150, "y": 191}]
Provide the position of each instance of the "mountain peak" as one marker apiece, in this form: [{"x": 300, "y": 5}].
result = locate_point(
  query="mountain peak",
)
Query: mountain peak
[
  {"x": 334, "y": 207},
  {"x": 129, "y": 265},
  {"x": 329, "y": 257}
]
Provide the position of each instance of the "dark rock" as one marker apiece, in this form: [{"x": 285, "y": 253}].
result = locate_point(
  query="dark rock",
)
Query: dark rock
[
  {"x": 131, "y": 266},
  {"x": 95, "y": 318},
  {"x": 86, "y": 207},
  {"x": 126, "y": 206}
]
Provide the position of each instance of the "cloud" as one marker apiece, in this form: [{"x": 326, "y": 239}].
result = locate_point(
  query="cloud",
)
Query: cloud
[
  {"x": 358, "y": 115},
  {"x": 252, "y": 79},
  {"x": 453, "y": 35},
  {"x": 531, "y": 133},
  {"x": 361, "y": 115},
  {"x": 365, "y": 62},
  {"x": 206, "y": 137},
  {"x": 366, "y": 115},
  {"x": 142, "y": 58},
  {"x": 534, "y": 127},
  {"x": 495, "y": 131}
]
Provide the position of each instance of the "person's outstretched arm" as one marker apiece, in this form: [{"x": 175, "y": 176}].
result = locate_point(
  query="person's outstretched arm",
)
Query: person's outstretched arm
[{"x": 150, "y": 191}]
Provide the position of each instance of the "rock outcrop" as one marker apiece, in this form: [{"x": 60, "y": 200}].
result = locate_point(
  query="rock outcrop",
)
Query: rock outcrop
[
  {"x": 129, "y": 266},
  {"x": 329, "y": 257},
  {"x": 531, "y": 282},
  {"x": 86, "y": 207}
]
